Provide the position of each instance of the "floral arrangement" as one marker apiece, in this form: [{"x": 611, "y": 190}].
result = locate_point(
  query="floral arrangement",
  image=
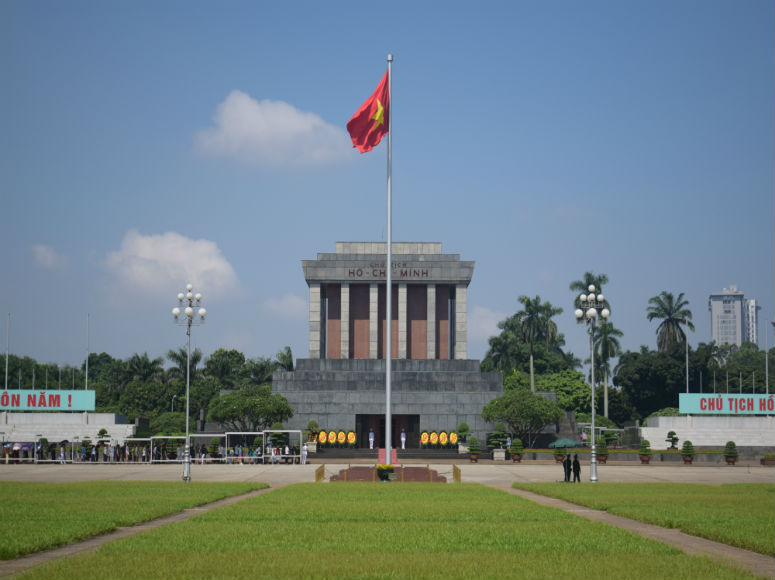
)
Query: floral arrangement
[
  {"x": 340, "y": 437},
  {"x": 443, "y": 438},
  {"x": 331, "y": 437},
  {"x": 351, "y": 438},
  {"x": 453, "y": 438},
  {"x": 434, "y": 438},
  {"x": 322, "y": 437},
  {"x": 424, "y": 437}
]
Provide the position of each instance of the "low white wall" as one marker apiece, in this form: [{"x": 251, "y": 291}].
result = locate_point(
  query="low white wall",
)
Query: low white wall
[
  {"x": 60, "y": 426},
  {"x": 711, "y": 431}
]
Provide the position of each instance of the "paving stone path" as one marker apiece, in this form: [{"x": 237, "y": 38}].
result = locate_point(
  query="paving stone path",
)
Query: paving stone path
[{"x": 758, "y": 564}]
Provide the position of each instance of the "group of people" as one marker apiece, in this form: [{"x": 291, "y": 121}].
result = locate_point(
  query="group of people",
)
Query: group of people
[{"x": 572, "y": 466}]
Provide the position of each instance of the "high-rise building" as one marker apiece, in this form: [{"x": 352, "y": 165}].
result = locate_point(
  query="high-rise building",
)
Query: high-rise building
[
  {"x": 733, "y": 319},
  {"x": 752, "y": 321}
]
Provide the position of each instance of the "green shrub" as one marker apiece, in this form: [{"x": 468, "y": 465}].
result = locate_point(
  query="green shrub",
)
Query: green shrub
[
  {"x": 645, "y": 447},
  {"x": 497, "y": 439},
  {"x": 463, "y": 431},
  {"x": 516, "y": 446},
  {"x": 730, "y": 449},
  {"x": 688, "y": 449},
  {"x": 672, "y": 438},
  {"x": 473, "y": 446}
]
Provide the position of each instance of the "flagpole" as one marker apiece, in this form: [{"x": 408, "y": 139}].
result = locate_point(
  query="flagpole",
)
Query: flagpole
[{"x": 389, "y": 267}]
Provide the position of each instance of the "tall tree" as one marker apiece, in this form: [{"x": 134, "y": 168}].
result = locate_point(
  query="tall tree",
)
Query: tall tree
[
  {"x": 524, "y": 412},
  {"x": 140, "y": 367},
  {"x": 582, "y": 286},
  {"x": 178, "y": 358},
  {"x": 605, "y": 338},
  {"x": 674, "y": 314},
  {"x": 536, "y": 325},
  {"x": 284, "y": 359}
]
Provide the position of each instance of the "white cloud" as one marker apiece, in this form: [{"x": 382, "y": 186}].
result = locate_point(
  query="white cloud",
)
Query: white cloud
[
  {"x": 483, "y": 323},
  {"x": 272, "y": 133},
  {"x": 289, "y": 306},
  {"x": 46, "y": 258},
  {"x": 163, "y": 264}
]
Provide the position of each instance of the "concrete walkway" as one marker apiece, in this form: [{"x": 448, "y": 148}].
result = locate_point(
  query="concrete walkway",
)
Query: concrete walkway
[{"x": 498, "y": 475}]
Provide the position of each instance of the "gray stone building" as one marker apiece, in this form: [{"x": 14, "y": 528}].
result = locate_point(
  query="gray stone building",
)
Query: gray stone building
[{"x": 342, "y": 384}]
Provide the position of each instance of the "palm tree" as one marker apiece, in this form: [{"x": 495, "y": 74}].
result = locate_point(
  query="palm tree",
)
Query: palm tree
[
  {"x": 140, "y": 367},
  {"x": 536, "y": 324},
  {"x": 605, "y": 338},
  {"x": 284, "y": 359},
  {"x": 674, "y": 314},
  {"x": 178, "y": 358},
  {"x": 597, "y": 280}
]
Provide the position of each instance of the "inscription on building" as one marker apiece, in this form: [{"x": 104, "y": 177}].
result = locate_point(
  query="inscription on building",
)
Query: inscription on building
[{"x": 377, "y": 271}]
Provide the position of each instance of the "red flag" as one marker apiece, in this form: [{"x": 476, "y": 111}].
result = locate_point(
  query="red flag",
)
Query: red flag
[{"x": 370, "y": 123}]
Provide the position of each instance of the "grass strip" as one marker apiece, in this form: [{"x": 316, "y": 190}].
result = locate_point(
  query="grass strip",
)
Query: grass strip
[
  {"x": 737, "y": 514},
  {"x": 386, "y": 531},
  {"x": 39, "y": 516}
]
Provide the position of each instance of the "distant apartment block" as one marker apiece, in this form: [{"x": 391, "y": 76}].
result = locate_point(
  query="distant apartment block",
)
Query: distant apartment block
[{"x": 733, "y": 318}]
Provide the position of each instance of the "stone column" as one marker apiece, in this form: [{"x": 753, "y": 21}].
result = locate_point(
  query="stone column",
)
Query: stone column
[
  {"x": 345, "y": 333},
  {"x": 373, "y": 320},
  {"x": 461, "y": 326},
  {"x": 314, "y": 320},
  {"x": 402, "y": 321},
  {"x": 431, "y": 321}
]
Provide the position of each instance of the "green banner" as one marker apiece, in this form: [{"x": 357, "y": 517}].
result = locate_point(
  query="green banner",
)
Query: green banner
[
  {"x": 718, "y": 404},
  {"x": 25, "y": 400}
]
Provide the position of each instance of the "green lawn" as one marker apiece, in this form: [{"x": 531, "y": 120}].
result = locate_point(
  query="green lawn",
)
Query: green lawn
[
  {"x": 741, "y": 514},
  {"x": 386, "y": 531},
  {"x": 39, "y": 516}
]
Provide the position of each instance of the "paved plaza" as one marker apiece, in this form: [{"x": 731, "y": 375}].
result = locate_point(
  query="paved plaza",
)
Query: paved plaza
[{"x": 486, "y": 472}]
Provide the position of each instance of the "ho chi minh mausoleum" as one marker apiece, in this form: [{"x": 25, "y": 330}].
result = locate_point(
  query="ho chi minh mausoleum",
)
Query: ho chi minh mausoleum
[{"x": 342, "y": 383}]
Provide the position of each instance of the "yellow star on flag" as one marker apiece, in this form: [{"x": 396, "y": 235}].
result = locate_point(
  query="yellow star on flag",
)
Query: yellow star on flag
[{"x": 379, "y": 116}]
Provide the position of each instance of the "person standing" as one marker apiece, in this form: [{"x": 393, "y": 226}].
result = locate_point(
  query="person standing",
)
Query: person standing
[
  {"x": 371, "y": 439},
  {"x": 566, "y": 464},
  {"x": 576, "y": 469},
  {"x": 304, "y": 454},
  {"x": 403, "y": 439}
]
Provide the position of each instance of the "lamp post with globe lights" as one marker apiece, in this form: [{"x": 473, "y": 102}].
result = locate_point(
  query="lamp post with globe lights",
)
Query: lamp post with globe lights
[
  {"x": 590, "y": 306},
  {"x": 188, "y": 301}
]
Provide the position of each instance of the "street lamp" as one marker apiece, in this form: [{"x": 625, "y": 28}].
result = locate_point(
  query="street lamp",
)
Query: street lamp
[
  {"x": 587, "y": 314},
  {"x": 188, "y": 301},
  {"x": 172, "y": 404}
]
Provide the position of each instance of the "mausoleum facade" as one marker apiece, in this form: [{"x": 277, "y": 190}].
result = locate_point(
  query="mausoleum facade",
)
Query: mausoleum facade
[{"x": 341, "y": 385}]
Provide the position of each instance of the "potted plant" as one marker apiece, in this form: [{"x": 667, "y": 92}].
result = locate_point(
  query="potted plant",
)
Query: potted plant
[
  {"x": 516, "y": 450},
  {"x": 768, "y": 459},
  {"x": 496, "y": 442},
  {"x": 463, "y": 431},
  {"x": 687, "y": 451},
  {"x": 559, "y": 454},
  {"x": 384, "y": 471},
  {"x": 730, "y": 452},
  {"x": 473, "y": 449},
  {"x": 645, "y": 452},
  {"x": 672, "y": 438},
  {"x": 601, "y": 450}
]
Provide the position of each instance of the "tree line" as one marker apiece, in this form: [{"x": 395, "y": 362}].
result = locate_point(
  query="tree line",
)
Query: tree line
[
  {"x": 531, "y": 353},
  {"x": 226, "y": 386}
]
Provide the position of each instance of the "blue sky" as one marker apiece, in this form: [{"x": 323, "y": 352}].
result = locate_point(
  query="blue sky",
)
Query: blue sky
[{"x": 145, "y": 145}]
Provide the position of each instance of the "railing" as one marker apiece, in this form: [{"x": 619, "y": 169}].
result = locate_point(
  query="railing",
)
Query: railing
[
  {"x": 320, "y": 473},
  {"x": 456, "y": 476}
]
